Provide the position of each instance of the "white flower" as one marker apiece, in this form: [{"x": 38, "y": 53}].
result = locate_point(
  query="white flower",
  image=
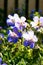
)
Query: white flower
[
  {"x": 10, "y": 17},
  {"x": 37, "y": 22},
  {"x": 9, "y": 21},
  {"x": 35, "y": 19},
  {"x": 21, "y": 23},
  {"x": 25, "y": 36},
  {"x": 13, "y": 19},
  {"x": 34, "y": 24},
  {"x": 30, "y": 36},
  {"x": 16, "y": 18}
]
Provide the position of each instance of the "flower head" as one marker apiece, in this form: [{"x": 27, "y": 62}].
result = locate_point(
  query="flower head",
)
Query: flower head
[
  {"x": 14, "y": 35},
  {"x": 21, "y": 23},
  {"x": 0, "y": 60},
  {"x": 30, "y": 38},
  {"x": 29, "y": 43},
  {"x": 37, "y": 22},
  {"x": 12, "y": 19}
]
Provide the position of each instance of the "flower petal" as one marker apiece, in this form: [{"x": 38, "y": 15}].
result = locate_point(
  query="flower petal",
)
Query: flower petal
[
  {"x": 15, "y": 39},
  {"x": 10, "y": 22},
  {"x": 25, "y": 43},
  {"x": 10, "y": 17},
  {"x": 41, "y": 21},
  {"x": 32, "y": 45},
  {"x": 36, "y": 19},
  {"x": 10, "y": 39},
  {"x": 15, "y": 29},
  {"x": 19, "y": 34},
  {"x": 23, "y": 19}
]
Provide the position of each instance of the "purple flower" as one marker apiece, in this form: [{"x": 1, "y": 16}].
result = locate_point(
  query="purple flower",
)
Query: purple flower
[
  {"x": 26, "y": 43},
  {"x": 0, "y": 60},
  {"x": 12, "y": 19},
  {"x": 29, "y": 43},
  {"x": 32, "y": 14},
  {"x": 12, "y": 39},
  {"x": 21, "y": 24},
  {"x": 0, "y": 41},
  {"x": 14, "y": 35},
  {"x": 4, "y": 64},
  {"x": 19, "y": 34},
  {"x": 17, "y": 21},
  {"x": 10, "y": 23},
  {"x": 32, "y": 11},
  {"x": 32, "y": 45},
  {"x": 15, "y": 29},
  {"x": 40, "y": 11}
]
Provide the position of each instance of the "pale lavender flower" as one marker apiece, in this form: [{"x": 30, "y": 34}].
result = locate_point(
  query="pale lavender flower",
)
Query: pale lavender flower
[
  {"x": 0, "y": 60},
  {"x": 12, "y": 19},
  {"x": 21, "y": 23},
  {"x": 29, "y": 38},
  {"x": 37, "y": 22},
  {"x": 14, "y": 35}
]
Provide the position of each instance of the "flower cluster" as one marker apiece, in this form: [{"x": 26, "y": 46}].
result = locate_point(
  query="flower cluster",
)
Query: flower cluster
[
  {"x": 18, "y": 24},
  {"x": 17, "y": 21}
]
